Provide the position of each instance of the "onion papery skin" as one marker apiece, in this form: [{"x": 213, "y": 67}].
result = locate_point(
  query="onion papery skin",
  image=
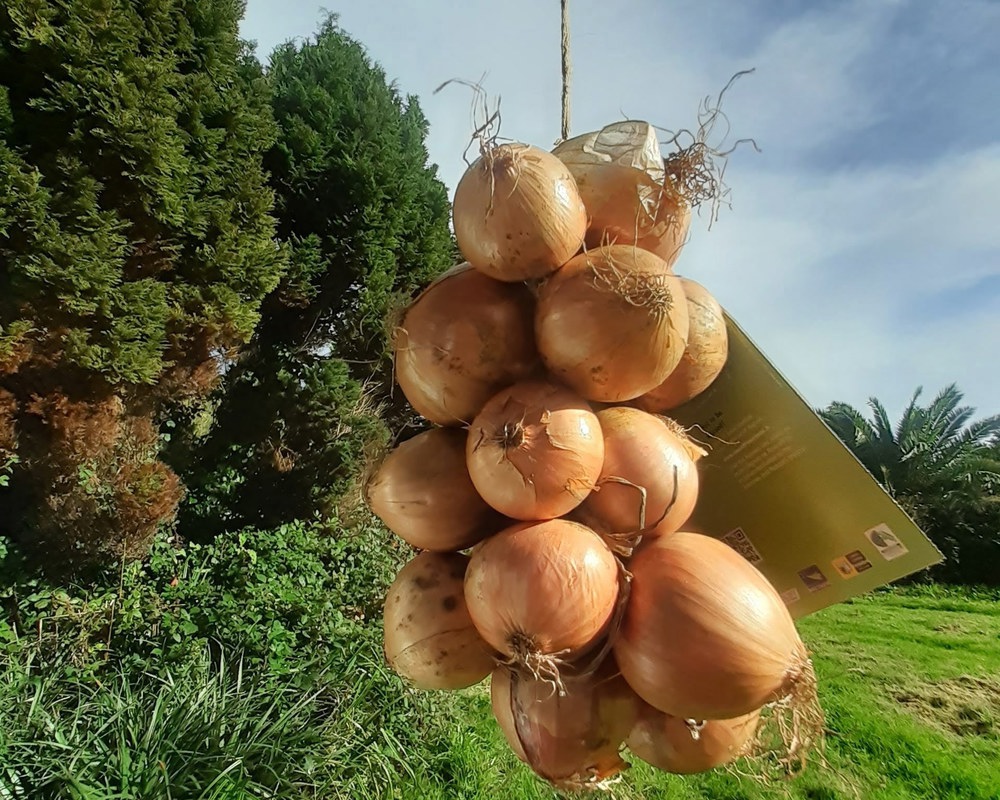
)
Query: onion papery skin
[
  {"x": 535, "y": 451},
  {"x": 460, "y": 341},
  {"x": 625, "y": 206},
  {"x": 612, "y": 323},
  {"x": 705, "y": 635},
  {"x": 667, "y": 743},
  {"x": 643, "y": 450},
  {"x": 542, "y": 588},
  {"x": 422, "y": 492},
  {"x": 429, "y": 638},
  {"x": 517, "y": 213},
  {"x": 704, "y": 357},
  {"x": 569, "y": 739}
]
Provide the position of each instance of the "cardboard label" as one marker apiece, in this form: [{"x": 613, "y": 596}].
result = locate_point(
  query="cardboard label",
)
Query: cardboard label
[{"x": 785, "y": 492}]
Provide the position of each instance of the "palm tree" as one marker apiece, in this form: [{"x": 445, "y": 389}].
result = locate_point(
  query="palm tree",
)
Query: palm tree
[
  {"x": 931, "y": 450},
  {"x": 940, "y": 464}
]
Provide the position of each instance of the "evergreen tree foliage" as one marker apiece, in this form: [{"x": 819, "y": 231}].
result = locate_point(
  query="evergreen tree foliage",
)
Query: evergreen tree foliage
[
  {"x": 136, "y": 245},
  {"x": 365, "y": 219}
]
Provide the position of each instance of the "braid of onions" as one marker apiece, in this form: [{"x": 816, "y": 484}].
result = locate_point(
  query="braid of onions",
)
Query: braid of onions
[{"x": 551, "y": 502}]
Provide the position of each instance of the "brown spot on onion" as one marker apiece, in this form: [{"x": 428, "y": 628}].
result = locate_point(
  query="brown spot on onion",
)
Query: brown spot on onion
[
  {"x": 426, "y": 646},
  {"x": 462, "y": 340},
  {"x": 612, "y": 323}
]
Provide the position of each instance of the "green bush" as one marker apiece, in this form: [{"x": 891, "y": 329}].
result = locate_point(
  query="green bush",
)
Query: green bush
[
  {"x": 279, "y": 597},
  {"x": 365, "y": 220},
  {"x": 260, "y": 653}
]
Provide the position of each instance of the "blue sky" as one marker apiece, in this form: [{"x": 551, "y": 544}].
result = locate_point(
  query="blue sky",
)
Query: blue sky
[{"x": 862, "y": 248}]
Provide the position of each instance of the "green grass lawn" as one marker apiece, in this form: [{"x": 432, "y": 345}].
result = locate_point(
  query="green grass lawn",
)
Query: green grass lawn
[{"x": 910, "y": 683}]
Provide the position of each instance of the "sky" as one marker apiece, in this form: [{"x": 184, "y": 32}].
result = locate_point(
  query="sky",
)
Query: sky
[{"x": 861, "y": 246}]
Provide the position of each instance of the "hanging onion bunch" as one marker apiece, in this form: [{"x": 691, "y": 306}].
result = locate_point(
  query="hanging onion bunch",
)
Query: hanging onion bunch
[{"x": 547, "y": 371}]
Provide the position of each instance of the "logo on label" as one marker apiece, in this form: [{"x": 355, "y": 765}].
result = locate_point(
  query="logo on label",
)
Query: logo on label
[
  {"x": 886, "y": 542},
  {"x": 813, "y": 578},
  {"x": 844, "y": 567},
  {"x": 853, "y": 563}
]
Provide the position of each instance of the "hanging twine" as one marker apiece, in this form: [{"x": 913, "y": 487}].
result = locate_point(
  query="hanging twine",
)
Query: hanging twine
[{"x": 566, "y": 69}]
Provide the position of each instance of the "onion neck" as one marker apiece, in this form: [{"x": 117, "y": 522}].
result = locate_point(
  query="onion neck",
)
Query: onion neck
[{"x": 511, "y": 436}]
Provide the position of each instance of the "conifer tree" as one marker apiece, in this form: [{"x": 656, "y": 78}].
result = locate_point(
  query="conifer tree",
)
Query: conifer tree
[
  {"x": 136, "y": 246},
  {"x": 366, "y": 221}
]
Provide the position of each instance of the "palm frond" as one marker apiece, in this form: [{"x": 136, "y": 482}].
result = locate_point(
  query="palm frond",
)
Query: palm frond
[
  {"x": 882, "y": 426},
  {"x": 908, "y": 422},
  {"x": 953, "y": 422},
  {"x": 944, "y": 404},
  {"x": 848, "y": 423},
  {"x": 983, "y": 432}
]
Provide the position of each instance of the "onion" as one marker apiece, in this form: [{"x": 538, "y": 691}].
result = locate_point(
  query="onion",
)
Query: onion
[
  {"x": 461, "y": 341},
  {"x": 619, "y": 173},
  {"x": 703, "y": 359},
  {"x": 423, "y": 493},
  {"x": 650, "y": 477},
  {"x": 517, "y": 213},
  {"x": 573, "y": 739},
  {"x": 626, "y": 207},
  {"x": 542, "y": 592},
  {"x": 535, "y": 450},
  {"x": 705, "y": 635},
  {"x": 429, "y": 637},
  {"x": 684, "y": 746},
  {"x": 612, "y": 323}
]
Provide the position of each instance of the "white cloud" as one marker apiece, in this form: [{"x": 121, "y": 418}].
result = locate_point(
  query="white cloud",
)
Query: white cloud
[{"x": 830, "y": 275}]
